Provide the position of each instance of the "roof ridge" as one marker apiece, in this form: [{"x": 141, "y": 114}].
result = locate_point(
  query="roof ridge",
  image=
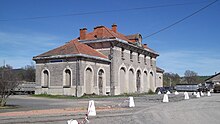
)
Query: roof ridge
[
  {"x": 75, "y": 45},
  {"x": 87, "y": 47},
  {"x": 114, "y": 34},
  {"x": 212, "y": 76},
  {"x": 109, "y": 31}
]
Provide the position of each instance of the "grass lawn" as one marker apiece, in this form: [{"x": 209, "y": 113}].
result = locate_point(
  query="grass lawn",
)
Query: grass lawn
[{"x": 91, "y": 96}]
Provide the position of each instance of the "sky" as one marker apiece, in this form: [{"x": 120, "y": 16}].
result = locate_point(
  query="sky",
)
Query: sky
[{"x": 192, "y": 44}]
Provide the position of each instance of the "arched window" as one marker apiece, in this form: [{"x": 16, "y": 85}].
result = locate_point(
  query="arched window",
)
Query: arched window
[
  {"x": 131, "y": 81},
  {"x": 138, "y": 81},
  {"x": 122, "y": 79},
  {"x": 88, "y": 81},
  {"x": 151, "y": 80},
  {"x": 45, "y": 79},
  {"x": 67, "y": 78},
  {"x": 100, "y": 81},
  {"x": 145, "y": 81}
]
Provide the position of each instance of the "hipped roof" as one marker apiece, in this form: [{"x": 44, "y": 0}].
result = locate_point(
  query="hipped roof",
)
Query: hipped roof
[{"x": 73, "y": 47}]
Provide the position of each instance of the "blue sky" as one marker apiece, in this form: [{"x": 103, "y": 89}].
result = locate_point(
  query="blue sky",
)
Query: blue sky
[{"x": 190, "y": 45}]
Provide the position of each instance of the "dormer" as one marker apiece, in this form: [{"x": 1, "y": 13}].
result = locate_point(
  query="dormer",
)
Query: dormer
[{"x": 136, "y": 39}]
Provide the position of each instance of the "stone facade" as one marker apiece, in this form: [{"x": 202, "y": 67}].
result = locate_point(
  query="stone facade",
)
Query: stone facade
[{"x": 101, "y": 62}]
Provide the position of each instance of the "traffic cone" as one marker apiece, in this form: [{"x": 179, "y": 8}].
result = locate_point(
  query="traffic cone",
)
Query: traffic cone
[
  {"x": 91, "y": 108},
  {"x": 208, "y": 94},
  {"x": 202, "y": 94},
  {"x": 168, "y": 92},
  {"x": 72, "y": 122},
  {"x": 159, "y": 93},
  {"x": 186, "y": 95},
  {"x": 176, "y": 93},
  {"x": 165, "y": 98},
  {"x": 197, "y": 95},
  {"x": 131, "y": 102}
]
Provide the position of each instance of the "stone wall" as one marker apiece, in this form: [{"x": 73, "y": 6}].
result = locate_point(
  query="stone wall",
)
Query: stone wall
[
  {"x": 56, "y": 78},
  {"x": 129, "y": 85}
]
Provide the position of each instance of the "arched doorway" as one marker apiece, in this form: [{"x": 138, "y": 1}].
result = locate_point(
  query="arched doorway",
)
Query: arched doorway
[
  {"x": 138, "y": 81},
  {"x": 151, "y": 80},
  {"x": 45, "y": 81},
  {"x": 88, "y": 81},
  {"x": 122, "y": 80},
  {"x": 145, "y": 80},
  {"x": 131, "y": 81},
  {"x": 100, "y": 81},
  {"x": 67, "y": 78}
]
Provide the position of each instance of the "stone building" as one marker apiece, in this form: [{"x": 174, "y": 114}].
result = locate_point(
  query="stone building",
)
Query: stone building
[
  {"x": 214, "y": 79},
  {"x": 100, "y": 62}
]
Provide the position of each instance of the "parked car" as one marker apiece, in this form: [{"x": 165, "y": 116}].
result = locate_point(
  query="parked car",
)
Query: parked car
[
  {"x": 171, "y": 89},
  {"x": 217, "y": 88},
  {"x": 163, "y": 90},
  {"x": 203, "y": 88}
]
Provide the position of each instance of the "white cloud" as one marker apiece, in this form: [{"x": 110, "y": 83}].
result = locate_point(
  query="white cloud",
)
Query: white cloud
[
  {"x": 202, "y": 62},
  {"x": 17, "y": 49}
]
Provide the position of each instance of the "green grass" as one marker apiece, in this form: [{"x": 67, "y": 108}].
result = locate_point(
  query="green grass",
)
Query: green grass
[
  {"x": 9, "y": 107},
  {"x": 53, "y": 96},
  {"x": 93, "y": 95}
]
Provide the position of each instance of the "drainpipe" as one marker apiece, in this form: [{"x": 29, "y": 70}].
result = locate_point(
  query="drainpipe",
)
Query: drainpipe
[
  {"x": 112, "y": 85},
  {"x": 77, "y": 76}
]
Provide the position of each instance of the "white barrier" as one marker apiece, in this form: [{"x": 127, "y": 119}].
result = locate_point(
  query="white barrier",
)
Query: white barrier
[
  {"x": 165, "y": 98},
  {"x": 194, "y": 93},
  {"x": 208, "y": 94},
  {"x": 72, "y": 121},
  {"x": 176, "y": 93},
  {"x": 168, "y": 92},
  {"x": 131, "y": 102},
  {"x": 159, "y": 93},
  {"x": 186, "y": 95},
  {"x": 202, "y": 94},
  {"x": 91, "y": 108},
  {"x": 197, "y": 95}
]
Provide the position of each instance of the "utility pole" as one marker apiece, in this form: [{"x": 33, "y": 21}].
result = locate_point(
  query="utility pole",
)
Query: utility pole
[
  {"x": 4, "y": 63},
  {"x": 170, "y": 81}
]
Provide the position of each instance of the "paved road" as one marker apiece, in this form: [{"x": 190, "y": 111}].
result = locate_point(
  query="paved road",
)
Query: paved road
[
  {"x": 196, "y": 111},
  {"x": 149, "y": 109}
]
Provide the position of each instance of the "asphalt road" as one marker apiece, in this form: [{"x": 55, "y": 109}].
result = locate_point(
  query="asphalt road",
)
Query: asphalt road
[{"x": 148, "y": 110}]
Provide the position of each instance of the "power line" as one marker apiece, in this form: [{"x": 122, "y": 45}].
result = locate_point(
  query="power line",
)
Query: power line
[
  {"x": 181, "y": 20},
  {"x": 99, "y": 12}
]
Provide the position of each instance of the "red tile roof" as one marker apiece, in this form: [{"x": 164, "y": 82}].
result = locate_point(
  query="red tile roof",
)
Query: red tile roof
[
  {"x": 73, "y": 47},
  {"x": 102, "y": 32}
]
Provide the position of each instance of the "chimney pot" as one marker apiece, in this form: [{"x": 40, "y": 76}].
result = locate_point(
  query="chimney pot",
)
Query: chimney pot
[
  {"x": 83, "y": 33},
  {"x": 114, "y": 28}
]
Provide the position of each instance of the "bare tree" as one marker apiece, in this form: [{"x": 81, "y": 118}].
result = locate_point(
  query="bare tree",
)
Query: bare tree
[
  {"x": 8, "y": 81},
  {"x": 190, "y": 76},
  {"x": 29, "y": 73},
  {"x": 170, "y": 79}
]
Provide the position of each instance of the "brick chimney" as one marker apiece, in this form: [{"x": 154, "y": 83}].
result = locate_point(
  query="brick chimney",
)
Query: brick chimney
[
  {"x": 114, "y": 28},
  {"x": 82, "y": 33},
  {"x": 99, "y": 31}
]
